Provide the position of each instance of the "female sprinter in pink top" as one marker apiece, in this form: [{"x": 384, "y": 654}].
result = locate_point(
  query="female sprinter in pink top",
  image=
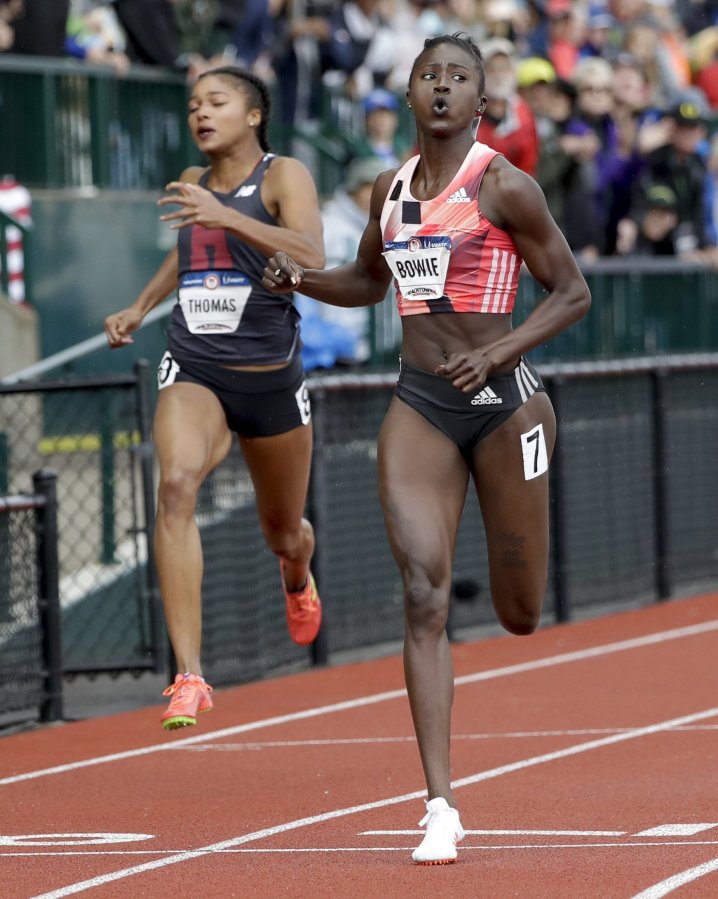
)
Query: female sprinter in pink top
[{"x": 452, "y": 227}]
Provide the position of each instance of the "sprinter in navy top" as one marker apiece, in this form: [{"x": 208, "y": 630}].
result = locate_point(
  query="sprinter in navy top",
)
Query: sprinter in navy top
[{"x": 233, "y": 362}]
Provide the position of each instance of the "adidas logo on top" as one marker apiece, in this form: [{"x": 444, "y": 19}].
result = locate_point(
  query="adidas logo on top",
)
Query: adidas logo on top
[
  {"x": 486, "y": 397},
  {"x": 459, "y": 196}
]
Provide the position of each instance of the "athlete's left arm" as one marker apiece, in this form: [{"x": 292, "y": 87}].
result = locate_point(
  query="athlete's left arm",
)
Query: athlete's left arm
[
  {"x": 515, "y": 202},
  {"x": 290, "y": 195}
]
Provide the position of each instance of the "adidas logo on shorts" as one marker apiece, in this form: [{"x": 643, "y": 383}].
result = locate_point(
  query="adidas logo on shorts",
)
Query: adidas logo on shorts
[
  {"x": 486, "y": 397},
  {"x": 459, "y": 196}
]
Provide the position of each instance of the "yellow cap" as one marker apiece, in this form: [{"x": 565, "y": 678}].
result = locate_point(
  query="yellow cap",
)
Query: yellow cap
[{"x": 534, "y": 69}]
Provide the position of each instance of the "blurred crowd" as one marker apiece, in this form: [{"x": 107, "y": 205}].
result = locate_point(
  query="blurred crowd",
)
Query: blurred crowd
[
  {"x": 612, "y": 105},
  {"x": 609, "y": 104}
]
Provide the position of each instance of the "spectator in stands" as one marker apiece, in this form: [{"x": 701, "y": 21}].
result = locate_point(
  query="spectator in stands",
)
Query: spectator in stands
[
  {"x": 656, "y": 223},
  {"x": 564, "y": 36},
  {"x": 643, "y": 41},
  {"x": 381, "y": 136},
  {"x": 534, "y": 77},
  {"x": 703, "y": 51},
  {"x": 711, "y": 194},
  {"x": 697, "y": 16},
  {"x": 507, "y": 124},
  {"x": 361, "y": 47},
  {"x": 465, "y": 16},
  {"x": 196, "y": 27},
  {"x": 9, "y": 11},
  {"x": 673, "y": 44},
  {"x": 298, "y": 32},
  {"x": 594, "y": 84},
  {"x": 95, "y": 35},
  {"x": 221, "y": 377},
  {"x": 413, "y": 22},
  {"x": 252, "y": 36},
  {"x": 565, "y": 169},
  {"x": 680, "y": 167},
  {"x": 15, "y": 201},
  {"x": 335, "y": 335},
  {"x": 41, "y": 27},
  {"x": 467, "y": 406},
  {"x": 633, "y": 110},
  {"x": 153, "y": 37},
  {"x": 600, "y": 28},
  {"x": 506, "y": 19}
]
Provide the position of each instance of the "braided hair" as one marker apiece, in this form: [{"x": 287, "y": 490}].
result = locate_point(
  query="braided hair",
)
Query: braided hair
[
  {"x": 257, "y": 95},
  {"x": 461, "y": 40}
]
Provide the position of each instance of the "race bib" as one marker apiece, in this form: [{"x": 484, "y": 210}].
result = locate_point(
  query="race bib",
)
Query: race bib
[
  {"x": 419, "y": 265},
  {"x": 213, "y": 302}
]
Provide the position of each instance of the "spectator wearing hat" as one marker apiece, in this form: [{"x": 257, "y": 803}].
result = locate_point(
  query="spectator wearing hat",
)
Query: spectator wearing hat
[
  {"x": 658, "y": 222},
  {"x": 507, "y": 125},
  {"x": 335, "y": 335},
  {"x": 600, "y": 33},
  {"x": 564, "y": 170},
  {"x": 534, "y": 77},
  {"x": 381, "y": 138},
  {"x": 679, "y": 166}
]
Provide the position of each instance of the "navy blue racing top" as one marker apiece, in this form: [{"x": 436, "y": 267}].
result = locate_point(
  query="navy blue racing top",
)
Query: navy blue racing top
[{"x": 223, "y": 314}]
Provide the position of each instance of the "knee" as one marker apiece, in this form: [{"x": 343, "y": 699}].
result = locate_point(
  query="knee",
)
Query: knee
[
  {"x": 177, "y": 494},
  {"x": 426, "y": 604},
  {"x": 520, "y": 616}
]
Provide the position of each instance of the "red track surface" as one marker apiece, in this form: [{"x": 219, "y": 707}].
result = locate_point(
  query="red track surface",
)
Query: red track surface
[{"x": 584, "y": 759}]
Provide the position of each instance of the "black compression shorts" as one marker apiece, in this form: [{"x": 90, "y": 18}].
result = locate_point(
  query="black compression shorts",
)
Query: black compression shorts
[
  {"x": 255, "y": 403},
  {"x": 465, "y": 418}
]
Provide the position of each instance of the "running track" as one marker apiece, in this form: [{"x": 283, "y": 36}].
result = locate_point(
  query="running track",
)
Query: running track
[{"x": 585, "y": 765}]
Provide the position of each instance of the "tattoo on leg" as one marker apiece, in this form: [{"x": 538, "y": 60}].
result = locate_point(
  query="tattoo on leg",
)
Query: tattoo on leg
[{"x": 512, "y": 552}]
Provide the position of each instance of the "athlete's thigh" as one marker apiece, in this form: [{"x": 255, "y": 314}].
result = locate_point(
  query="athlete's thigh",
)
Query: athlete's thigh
[
  {"x": 190, "y": 429},
  {"x": 511, "y": 476},
  {"x": 422, "y": 487},
  {"x": 279, "y": 467}
]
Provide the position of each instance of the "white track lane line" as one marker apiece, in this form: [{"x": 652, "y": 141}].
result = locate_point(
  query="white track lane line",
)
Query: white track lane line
[
  {"x": 678, "y": 880},
  {"x": 521, "y": 668},
  {"x": 370, "y": 806}
]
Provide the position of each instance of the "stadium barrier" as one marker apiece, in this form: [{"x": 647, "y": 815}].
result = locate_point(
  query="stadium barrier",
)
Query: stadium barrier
[
  {"x": 73, "y": 125},
  {"x": 30, "y": 626},
  {"x": 633, "y": 515}
]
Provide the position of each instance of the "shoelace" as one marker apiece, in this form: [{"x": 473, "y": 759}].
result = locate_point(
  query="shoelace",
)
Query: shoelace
[
  {"x": 184, "y": 687},
  {"x": 433, "y": 814}
]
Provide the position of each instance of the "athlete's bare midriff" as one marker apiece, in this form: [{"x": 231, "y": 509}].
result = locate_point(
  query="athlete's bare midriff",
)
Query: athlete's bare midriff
[{"x": 429, "y": 339}]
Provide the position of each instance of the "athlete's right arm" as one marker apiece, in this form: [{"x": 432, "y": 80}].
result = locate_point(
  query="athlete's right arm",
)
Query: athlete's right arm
[
  {"x": 363, "y": 282},
  {"x": 120, "y": 325}
]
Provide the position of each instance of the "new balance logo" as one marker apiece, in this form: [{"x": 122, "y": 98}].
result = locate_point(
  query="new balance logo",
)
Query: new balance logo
[
  {"x": 486, "y": 397},
  {"x": 246, "y": 190},
  {"x": 459, "y": 196}
]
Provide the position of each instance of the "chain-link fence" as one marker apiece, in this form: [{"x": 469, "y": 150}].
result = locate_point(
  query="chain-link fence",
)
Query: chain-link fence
[
  {"x": 30, "y": 627},
  {"x": 20, "y": 636},
  {"x": 95, "y": 434},
  {"x": 634, "y": 514}
]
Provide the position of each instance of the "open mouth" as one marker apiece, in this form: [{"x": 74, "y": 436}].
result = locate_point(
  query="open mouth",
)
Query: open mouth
[
  {"x": 440, "y": 106},
  {"x": 205, "y": 132}
]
